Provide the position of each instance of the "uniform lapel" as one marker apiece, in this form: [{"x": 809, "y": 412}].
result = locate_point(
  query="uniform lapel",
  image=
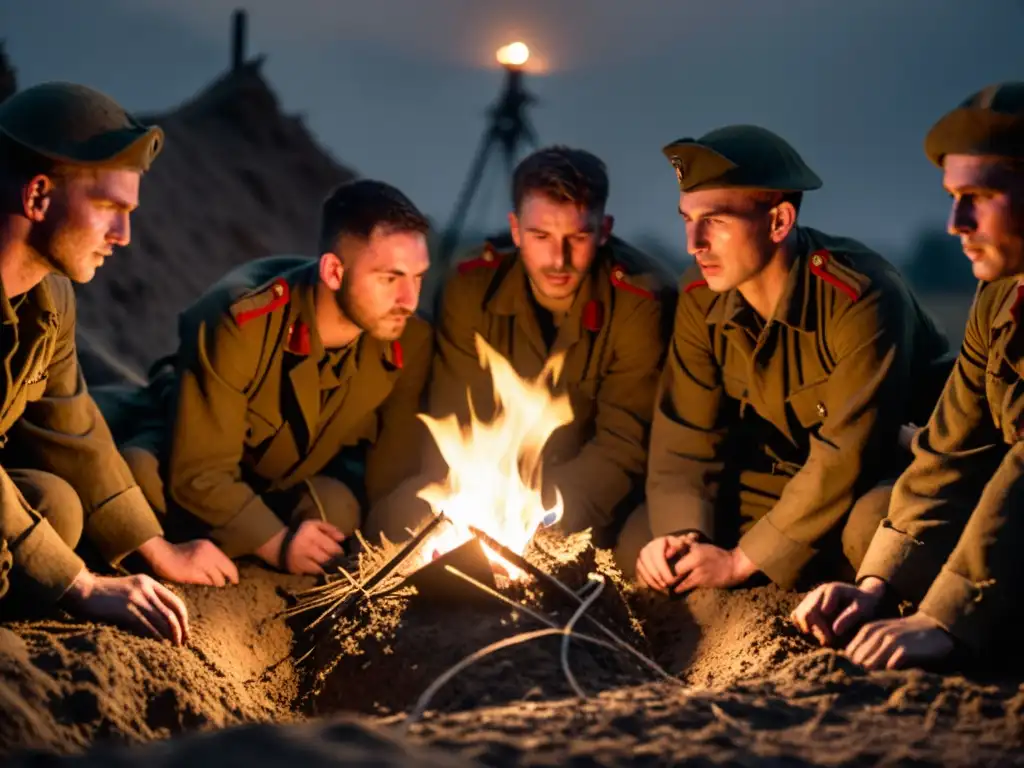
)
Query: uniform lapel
[
  {"x": 303, "y": 360},
  {"x": 357, "y": 398}
]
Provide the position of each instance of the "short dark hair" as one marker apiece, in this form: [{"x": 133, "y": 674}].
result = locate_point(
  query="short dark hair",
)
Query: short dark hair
[
  {"x": 358, "y": 207},
  {"x": 564, "y": 175}
]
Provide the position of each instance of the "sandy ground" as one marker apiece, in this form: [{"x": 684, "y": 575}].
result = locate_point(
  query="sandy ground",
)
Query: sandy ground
[{"x": 748, "y": 689}]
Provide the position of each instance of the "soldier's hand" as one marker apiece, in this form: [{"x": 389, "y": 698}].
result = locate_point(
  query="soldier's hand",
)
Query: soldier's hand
[
  {"x": 195, "y": 562},
  {"x": 706, "y": 565},
  {"x": 900, "y": 643},
  {"x": 137, "y": 603},
  {"x": 653, "y": 567},
  {"x": 832, "y": 610},
  {"x": 314, "y": 543}
]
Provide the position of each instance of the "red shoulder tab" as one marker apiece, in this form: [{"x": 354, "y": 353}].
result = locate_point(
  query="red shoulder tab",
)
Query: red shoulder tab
[
  {"x": 298, "y": 339},
  {"x": 695, "y": 285},
  {"x": 621, "y": 280},
  {"x": 819, "y": 267},
  {"x": 490, "y": 258},
  {"x": 397, "y": 356},
  {"x": 593, "y": 315},
  {"x": 259, "y": 304}
]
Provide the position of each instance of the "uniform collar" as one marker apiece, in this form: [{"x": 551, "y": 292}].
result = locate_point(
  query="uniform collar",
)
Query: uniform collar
[
  {"x": 1013, "y": 305},
  {"x": 512, "y": 296},
  {"x": 793, "y": 308}
]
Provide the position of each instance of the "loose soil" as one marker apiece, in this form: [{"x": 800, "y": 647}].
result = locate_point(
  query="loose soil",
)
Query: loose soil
[{"x": 750, "y": 689}]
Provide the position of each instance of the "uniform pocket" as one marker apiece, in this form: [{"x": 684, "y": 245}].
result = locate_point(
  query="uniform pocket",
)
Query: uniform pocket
[
  {"x": 35, "y": 391},
  {"x": 259, "y": 429},
  {"x": 809, "y": 404}
]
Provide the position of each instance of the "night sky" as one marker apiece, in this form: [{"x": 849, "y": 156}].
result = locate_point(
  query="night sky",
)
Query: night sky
[{"x": 397, "y": 89}]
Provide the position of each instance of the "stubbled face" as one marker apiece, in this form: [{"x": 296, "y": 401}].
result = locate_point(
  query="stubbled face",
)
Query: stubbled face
[
  {"x": 380, "y": 287},
  {"x": 87, "y": 214},
  {"x": 987, "y": 213},
  {"x": 728, "y": 232},
  {"x": 557, "y": 242}
]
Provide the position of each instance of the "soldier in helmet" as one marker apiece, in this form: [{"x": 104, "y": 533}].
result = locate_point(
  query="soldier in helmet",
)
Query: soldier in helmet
[
  {"x": 71, "y": 160},
  {"x": 951, "y": 542},
  {"x": 795, "y": 358},
  {"x": 291, "y": 371},
  {"x": 564, "y": 287}
]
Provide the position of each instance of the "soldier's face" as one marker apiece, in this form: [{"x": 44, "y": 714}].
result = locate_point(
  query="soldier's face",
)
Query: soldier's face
[
  {"x": 380, "y": 287},
  {"x": 987, "y": 213},
  {"x": 86, "y": 214},
  {"x": 728, "y": 232},
  {"x": 557, "y": 242}
]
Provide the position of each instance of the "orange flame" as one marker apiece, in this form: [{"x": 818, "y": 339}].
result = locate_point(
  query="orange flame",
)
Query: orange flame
[{"x": 494, "y": 468}]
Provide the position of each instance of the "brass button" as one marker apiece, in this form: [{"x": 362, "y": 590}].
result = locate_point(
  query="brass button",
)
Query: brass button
[
  {"x": 278, "y": 289},
  {"x": 488, "y": 256},
  {"x": 822, "y": 410},
  {"x": 618, "y": 274},
  {"x": 816, "y": 260}
]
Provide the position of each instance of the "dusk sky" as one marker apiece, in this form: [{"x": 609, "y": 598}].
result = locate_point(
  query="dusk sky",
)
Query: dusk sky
[{"x": 397, "y": 89}]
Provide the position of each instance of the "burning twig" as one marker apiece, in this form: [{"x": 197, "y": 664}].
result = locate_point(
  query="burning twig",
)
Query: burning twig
[
  {"x": 382, "y": 573},
  {"x": 541, "y": 575}
]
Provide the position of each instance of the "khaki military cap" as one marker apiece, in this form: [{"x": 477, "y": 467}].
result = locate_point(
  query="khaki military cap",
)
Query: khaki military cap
[
  {"x": 739, "y": 156},
  {"x": 74, "y": 124},
  {"x": 989, "y": 122}
]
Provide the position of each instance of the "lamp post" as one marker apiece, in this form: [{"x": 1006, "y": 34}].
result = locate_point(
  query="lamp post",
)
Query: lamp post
[{"x": 507, "y": 129}]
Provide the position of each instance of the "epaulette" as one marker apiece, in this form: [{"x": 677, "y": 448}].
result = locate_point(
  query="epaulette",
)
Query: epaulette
[
  {"x": 627, "y": 282},
  {"x": 695, "y": 284},
  {"x": 490, "y": 258},
  {"x": 823, "y": 265},
  {"x": 260, "y": 301}
]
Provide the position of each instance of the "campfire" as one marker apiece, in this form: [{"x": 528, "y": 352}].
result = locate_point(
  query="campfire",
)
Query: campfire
[
  {"x": 494, "y": 468},
  {"x": 487, "y": 513}
]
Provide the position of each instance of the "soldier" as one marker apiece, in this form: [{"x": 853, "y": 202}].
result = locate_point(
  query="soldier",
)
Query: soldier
[
  {"x": 281, "y": 365},
  {"x": 951, "y": 543},
  {"x": 71, "y": 160},
  {"x": 789, "y": 375},
  {"x": 564, "y": 288}
]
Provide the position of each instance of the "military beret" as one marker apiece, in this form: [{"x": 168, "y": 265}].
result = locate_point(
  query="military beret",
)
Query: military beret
[
  {"x": 739, "y": 156},
  {"x": 74, "y": 124},
  {"x": 989, "y": 122}
]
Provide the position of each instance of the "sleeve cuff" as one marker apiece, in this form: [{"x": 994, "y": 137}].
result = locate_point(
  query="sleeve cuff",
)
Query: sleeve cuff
[
  {"x": 777, "y": 556},
  {"x": 122, "y": 524},
  {"x": 963, "y": 608},
  {"x": 901, "y": 561},
  {"x": 253, "y": 526},
  {"x": 45, "y": 563}
]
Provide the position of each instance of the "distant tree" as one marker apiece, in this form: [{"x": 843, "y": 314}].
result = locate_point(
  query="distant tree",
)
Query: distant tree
[{"x": 936, "y": 264}]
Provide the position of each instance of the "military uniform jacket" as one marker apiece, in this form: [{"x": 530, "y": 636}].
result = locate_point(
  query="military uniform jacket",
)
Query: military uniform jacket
[
  {"x": 49, "y": 422},
  {"x": 614, "y": 345},
  {"x": 829, "y": 379},
  {"x": 251, "y": 411},
  {"x": 952, "y": 541}
]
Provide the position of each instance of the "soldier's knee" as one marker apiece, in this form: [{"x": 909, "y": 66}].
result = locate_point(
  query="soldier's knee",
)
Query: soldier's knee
[
  {"x": 398, "y": 513},
  {"x": 633, "y": 537},
  {"x": 333, "y": 501},
  {"x": 53, "y": 498},
  {"x": 864, "y": 519},
  {"x": 145, "y": 468}
]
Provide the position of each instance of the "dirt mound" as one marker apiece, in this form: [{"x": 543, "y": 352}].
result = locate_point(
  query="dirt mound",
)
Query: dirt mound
[
  {"x": 66, "y": 685},
  {"x": 237, "y": 180},
  {"x": 755, "y": 693}
]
